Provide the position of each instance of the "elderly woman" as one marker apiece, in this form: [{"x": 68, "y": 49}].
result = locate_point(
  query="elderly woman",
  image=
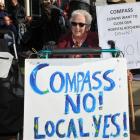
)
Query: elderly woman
[{"x": 80, "y": 34}]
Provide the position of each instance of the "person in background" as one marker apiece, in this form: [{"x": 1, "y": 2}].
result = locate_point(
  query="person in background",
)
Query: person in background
[
  {"x": 52, "y": 21},
  {"x": 2, "y": 13},
  {"x": 80, "y": 34},
  {"x": 20, "y": 20},
  {"x": 8, "y": 25},
  {"x": 17, "y": 13},
  {"x": 78, "y": 4}
]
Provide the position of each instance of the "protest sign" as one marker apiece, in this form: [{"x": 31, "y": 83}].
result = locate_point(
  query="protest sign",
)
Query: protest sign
[
  {"x": 80, "y": 99},
  {"x": 121, "y": 23}
]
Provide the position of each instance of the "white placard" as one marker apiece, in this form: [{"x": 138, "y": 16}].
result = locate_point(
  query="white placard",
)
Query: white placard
[
  {"x": 121, "y": 23},
  {"x": 80, "y": 99},
  {"x": 5, "y": 63}
]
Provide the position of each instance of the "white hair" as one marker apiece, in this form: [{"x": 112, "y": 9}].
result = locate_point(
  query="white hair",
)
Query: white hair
[
  {"x": 84, "y": 13},
  {"x": 43, "y": 1}
]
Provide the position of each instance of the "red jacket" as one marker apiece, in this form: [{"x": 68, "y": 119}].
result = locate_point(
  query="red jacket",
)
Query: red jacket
[{"x": 90, "y": 42}]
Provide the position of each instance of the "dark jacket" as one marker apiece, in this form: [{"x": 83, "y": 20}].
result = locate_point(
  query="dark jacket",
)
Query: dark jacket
[
  {"x": 17, "y": 14},
  {"x": 12, "y": 28},
  {"x": 2, "y": 15},
  {"x": 53, "y": 23}
]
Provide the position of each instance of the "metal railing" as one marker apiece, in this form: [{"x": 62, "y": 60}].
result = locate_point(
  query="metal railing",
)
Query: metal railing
[{"x": 83, "y": 51}]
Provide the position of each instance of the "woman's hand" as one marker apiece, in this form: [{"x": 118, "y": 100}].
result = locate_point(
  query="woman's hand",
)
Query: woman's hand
[{"x": 130, "y": 75}]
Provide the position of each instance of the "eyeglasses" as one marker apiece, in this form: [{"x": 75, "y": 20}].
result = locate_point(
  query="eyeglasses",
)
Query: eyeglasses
[{"x": 80, "y": 24}]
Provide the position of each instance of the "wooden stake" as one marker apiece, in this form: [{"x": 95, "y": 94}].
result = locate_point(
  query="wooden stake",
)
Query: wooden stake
[{"x": 131, "y": 104}]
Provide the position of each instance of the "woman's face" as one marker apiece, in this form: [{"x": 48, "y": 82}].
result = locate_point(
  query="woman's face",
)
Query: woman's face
[
  {"x": 78, "y": 26},
  {"x": 14, "y": 2},
  {"x": 7, "y": 20},
  {"x": 47, "y": 2},
  {"x": 2, "y": 6}
]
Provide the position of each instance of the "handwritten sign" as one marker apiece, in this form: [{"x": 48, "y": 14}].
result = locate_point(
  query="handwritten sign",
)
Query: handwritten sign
[
  {"x": 121, "y": 23},
  {"x": 80, "y": 99}
]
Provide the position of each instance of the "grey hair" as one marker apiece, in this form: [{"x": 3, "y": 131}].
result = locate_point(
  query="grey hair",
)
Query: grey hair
[
  {"x": 86, "y": 14},
  {"x": 43, "y": 1}
]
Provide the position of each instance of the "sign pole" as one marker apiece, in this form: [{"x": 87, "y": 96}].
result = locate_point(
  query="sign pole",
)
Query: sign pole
[{"x": 131, "y": 104}]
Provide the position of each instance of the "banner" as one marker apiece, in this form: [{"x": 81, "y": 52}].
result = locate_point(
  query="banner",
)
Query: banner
[
  {"x": 121, "y": 23},
  {"x": 80, "y": 99}
]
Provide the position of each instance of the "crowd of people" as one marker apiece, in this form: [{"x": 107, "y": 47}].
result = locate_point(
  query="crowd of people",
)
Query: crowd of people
[
  {"x": 54, "y": 21},
  {"x": 14, "y": 19}
]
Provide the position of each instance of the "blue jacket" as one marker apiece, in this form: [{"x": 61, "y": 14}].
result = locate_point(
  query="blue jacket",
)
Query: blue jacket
[{"x": 2, "y": 15}]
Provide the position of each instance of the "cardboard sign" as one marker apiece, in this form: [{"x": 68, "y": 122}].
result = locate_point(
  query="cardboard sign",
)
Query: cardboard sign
[
  {"x": 121, "y": 23},
  {"x": 80, "y": 99}
]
